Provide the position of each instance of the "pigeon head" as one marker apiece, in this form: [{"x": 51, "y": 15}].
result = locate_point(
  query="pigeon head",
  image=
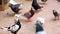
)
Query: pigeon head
[
  {"x": 40, "y": 20},
  {"x": 16, "y": 17}
]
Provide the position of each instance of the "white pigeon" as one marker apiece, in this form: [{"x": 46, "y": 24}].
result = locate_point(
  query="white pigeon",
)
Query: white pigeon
[{"x": 14, "y": 28}]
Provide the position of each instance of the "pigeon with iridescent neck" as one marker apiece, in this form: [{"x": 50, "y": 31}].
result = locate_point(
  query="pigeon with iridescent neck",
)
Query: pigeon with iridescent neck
[{"x": 39, "y": 28}]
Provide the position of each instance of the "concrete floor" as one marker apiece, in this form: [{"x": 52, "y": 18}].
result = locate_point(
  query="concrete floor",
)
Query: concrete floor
[{"x": 50, "y": 26}]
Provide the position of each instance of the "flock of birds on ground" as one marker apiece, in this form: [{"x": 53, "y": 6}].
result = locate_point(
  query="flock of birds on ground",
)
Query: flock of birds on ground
[{"x": 40, "y": 21}]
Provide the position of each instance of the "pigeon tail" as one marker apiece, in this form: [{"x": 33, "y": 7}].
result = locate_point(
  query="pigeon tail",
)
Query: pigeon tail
[{"x": 4, "y": 28}]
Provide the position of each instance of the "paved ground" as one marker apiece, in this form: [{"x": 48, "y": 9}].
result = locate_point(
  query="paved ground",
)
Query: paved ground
[{"x": 50, "y": 26}]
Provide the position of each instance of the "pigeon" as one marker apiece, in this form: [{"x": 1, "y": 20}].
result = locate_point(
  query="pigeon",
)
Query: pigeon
[
  {"x": 14, "y": 28},
  {"x": 28, "y": 15},
  {"x": 35, "y": 5},
  {"x": 56, "y": 13},
  {"x": 44, "y": 2},
  {"x": 39, "y": 28},
  {"x": 15, "y": 6}
]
